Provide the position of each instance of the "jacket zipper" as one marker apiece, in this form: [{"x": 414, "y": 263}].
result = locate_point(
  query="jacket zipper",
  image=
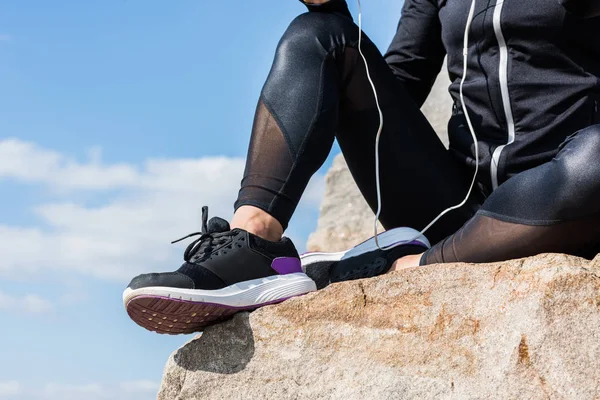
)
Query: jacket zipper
[{"x": 503, "y": 75}]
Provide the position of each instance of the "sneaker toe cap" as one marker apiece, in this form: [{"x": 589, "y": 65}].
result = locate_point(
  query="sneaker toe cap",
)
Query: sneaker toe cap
[{"x": 169, "y": 279}]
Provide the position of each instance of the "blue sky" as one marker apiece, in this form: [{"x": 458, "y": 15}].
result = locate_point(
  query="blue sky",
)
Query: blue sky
[{"x": 119, "y": 119}]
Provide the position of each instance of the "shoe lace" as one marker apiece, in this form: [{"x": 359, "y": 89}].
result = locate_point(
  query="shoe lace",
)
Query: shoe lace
[{"x": 203, "y": 246}]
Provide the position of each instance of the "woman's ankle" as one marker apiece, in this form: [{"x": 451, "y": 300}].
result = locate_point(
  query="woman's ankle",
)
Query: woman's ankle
[
  {"x": 257, "y": 222},
  {"x": 405, "y": 262}
]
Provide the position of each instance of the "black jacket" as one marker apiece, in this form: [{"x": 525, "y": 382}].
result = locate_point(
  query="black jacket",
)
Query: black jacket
[{"x": 529, "y": 60}]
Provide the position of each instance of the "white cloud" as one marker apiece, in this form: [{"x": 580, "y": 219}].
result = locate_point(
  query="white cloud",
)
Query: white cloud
[
  {"x": 134, "y": 390},
  {"x": 73, "y": 392},
  {"x": 30, "y": 303},
  {"x": 10, "y": 389},
  {"x": 136, "y": 211},
  {"x": 139, "y": 387},
  {"x": 27, "y": 162},
  {"x": 35, "y": 304}
]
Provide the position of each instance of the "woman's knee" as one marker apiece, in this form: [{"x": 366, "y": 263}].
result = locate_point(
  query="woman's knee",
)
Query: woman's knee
[
  {"x": 579, "y": 155},
  {"x": 315, "y": 31},
  {"x": 566, "y": 188},
  {"x": 590, "y": 137},
  {"x": 579, "y": 166}
]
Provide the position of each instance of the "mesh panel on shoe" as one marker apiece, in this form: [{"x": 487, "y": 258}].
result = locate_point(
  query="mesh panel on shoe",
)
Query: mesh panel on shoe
[
  {"x": 203, "y": 278},
  {"x": 283, "y": 248}
]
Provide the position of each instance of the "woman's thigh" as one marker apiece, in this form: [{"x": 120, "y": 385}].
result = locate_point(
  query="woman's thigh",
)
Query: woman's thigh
[
  {"x": 554, "y": 207},
  {"x": 419, "y": 177}
]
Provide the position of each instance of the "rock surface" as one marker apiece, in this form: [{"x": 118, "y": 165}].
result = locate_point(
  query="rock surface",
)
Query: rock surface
[
  {"x": 345, "y": 218},
  {"x": 524, "y": 329}
]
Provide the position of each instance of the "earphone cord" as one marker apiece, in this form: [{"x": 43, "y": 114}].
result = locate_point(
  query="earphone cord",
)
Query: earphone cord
[{"x": 377, "y": 137}]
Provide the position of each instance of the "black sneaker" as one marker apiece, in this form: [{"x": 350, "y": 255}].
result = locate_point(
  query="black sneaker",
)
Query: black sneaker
[
  {"x": 365, "y": 260},
  {"x": 225, "y": 271}
]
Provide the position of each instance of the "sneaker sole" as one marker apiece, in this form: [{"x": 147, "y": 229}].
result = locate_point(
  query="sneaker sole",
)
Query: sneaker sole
[
  {"x": 361, "y": 260},
  {"x": 176, "y": 311}
]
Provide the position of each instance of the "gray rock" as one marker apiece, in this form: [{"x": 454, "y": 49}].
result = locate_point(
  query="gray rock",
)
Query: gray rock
[
  {"x": 345, "y": 219},
  {"x": 438, "y": 107},
  {"x": 523, "y": 329}
]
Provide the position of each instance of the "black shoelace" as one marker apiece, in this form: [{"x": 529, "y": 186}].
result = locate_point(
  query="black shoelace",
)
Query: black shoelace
[{"x": 204, "y": 245}]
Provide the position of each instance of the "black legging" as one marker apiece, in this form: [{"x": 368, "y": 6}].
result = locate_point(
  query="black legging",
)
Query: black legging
[{"x": 317, "y": 90}]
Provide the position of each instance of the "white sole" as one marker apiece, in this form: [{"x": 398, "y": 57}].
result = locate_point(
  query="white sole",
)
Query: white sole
[
  {"x": 240, "y": 295},
  {"x": 387, "y": 238}
]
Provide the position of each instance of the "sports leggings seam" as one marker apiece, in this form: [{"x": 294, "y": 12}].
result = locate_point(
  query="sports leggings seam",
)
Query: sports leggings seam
[
  {"x": 285, "y": 135},
  {"x": 302, "y": 144},
  {"x": 318, "y": 110}
]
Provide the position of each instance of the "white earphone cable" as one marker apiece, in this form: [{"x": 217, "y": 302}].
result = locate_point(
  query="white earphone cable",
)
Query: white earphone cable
[
  {"x": 462, "y": 100},
  {"x": 377, "y": 137}
]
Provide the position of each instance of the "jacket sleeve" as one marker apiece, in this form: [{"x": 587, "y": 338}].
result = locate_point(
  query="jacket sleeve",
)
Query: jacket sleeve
[
  {"x": 417, "y": 53},
  {"x": 582, "y": 8}
]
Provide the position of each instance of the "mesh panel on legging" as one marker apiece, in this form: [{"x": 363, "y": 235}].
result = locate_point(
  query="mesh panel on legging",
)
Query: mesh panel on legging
[
  {"x": 554, "y": 207},
  {"x": 485, "y": 239},
  {"x": 268, "y": 166},
  {"x": 300, "y": 103}
]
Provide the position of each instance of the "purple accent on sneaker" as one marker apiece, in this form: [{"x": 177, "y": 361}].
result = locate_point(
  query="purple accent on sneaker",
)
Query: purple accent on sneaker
[
  {"x": 286, "y": 265},
  {"x": 401, "y": 243},
  {"x": 417, "y": 243},
  {"x": 405, "y": 243}
]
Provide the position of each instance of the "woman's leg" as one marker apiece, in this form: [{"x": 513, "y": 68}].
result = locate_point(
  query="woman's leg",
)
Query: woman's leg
[
  {"x": 317, "y": 90},
  {"x": 553, "y": 208}
]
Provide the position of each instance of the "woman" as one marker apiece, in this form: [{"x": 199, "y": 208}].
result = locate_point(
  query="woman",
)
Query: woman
[{"x": 532, "y": 93}]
